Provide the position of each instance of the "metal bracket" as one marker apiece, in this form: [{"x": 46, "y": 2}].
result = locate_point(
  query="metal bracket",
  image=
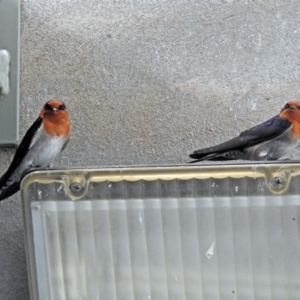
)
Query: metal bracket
[
  {"x": 4, "y": 72},
  {"x": 9, "y": 72}
]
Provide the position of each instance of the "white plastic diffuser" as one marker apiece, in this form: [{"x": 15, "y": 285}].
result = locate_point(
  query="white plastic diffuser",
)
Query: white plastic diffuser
[{"x": 171, "y": 233}]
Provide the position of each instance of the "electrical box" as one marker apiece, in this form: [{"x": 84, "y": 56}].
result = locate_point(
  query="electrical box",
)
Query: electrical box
[{"x": 9, "y": 72}]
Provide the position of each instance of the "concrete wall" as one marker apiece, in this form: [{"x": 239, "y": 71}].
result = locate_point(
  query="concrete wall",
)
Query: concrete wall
[{"x": 147, "y": 82}]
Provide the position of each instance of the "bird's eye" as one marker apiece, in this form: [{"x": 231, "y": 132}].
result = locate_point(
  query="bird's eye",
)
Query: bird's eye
[
  {"x": 48, "y": 107},
  {"x": 287, "y": 106},
  {"x": 298, "y": 107},
  {"x": 62, "y": 107}
]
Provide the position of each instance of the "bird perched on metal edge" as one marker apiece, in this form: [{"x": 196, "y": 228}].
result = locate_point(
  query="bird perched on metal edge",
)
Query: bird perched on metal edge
[
  {"x": 42, "y": 143},
  {"x": 270, "y": 140}
]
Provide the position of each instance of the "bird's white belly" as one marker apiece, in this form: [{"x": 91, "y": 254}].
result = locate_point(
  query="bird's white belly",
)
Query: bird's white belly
[
  {"x": 44, "y": 155},
  {"x": 274, "y": 149},
  {"x": 41, "y": 154}
]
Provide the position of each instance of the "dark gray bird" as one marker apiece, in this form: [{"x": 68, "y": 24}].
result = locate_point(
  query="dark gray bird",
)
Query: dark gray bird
[
  {"x": 270, "y": 140},
  {"x": 42, "y": 143}
]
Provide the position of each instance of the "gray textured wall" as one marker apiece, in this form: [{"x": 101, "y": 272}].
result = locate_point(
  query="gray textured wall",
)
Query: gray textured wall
[{"x": 146, "y": 82}]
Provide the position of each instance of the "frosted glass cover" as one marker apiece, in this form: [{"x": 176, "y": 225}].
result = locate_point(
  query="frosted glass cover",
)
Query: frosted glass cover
[{"x": 169, "y": 233}]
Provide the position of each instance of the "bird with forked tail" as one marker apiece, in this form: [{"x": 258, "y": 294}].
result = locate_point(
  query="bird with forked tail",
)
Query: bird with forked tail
[
  {"x": 42, "y": 143},
  {"x": 270, "y": 140}
]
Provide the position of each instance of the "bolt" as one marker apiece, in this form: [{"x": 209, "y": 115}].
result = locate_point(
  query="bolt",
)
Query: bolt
[
  {"x": 76, "y": 187},
  {"x": 278, "y": 180},
  {"x": 35, "y": 207}
]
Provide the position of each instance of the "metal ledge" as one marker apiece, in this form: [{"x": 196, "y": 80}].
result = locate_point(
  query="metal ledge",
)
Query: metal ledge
[{"x": 9, "y": 72}]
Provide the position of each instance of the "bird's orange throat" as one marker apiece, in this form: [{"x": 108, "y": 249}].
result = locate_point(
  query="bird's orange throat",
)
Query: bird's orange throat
[
  {"x": 294, "y": 117},
  {"x": 57, "y": 124}
]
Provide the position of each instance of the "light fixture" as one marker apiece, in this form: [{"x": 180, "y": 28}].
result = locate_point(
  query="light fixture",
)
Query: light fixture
[{"x": 183, "y": 232}]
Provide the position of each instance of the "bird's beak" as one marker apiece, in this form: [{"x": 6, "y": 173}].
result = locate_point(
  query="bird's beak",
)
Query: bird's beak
[
  {"x": 54, "y": 109},
  {"x": 293, "y": 107}
]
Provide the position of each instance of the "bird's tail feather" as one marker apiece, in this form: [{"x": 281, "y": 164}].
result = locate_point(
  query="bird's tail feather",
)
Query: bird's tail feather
[
  {"x": 223, "y": 156},
  {"x": 215, "y": 158},
  {"x": 201, "y": 157},
  {"x": 9, "y": 185},
  {"x": 8, "y": 191}
]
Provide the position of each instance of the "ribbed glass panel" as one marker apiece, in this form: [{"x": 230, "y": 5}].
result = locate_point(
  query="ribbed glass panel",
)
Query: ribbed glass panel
[{"x": 170, "y": 239}]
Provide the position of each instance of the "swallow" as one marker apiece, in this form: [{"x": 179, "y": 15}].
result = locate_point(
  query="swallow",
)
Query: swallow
[
  {"x": 42, "y": 143},
  {"x": 270, "y": 140}
]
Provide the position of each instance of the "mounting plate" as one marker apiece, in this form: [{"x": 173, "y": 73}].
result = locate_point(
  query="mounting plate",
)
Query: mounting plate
[{"x": 9, "y": 72}]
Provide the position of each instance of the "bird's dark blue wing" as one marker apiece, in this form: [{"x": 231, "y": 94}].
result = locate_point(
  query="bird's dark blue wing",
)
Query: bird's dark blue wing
[
  {"x": 22, "y": 150},
  {"x": 265, "y": 131},
  {"x": 261, "y": 133}
]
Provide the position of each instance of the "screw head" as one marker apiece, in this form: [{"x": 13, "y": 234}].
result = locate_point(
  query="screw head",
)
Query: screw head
[
  {"x": 76, "y": 187},
  {"x": 35, "y": 207},
  {"x": 277, "y": 180}
]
